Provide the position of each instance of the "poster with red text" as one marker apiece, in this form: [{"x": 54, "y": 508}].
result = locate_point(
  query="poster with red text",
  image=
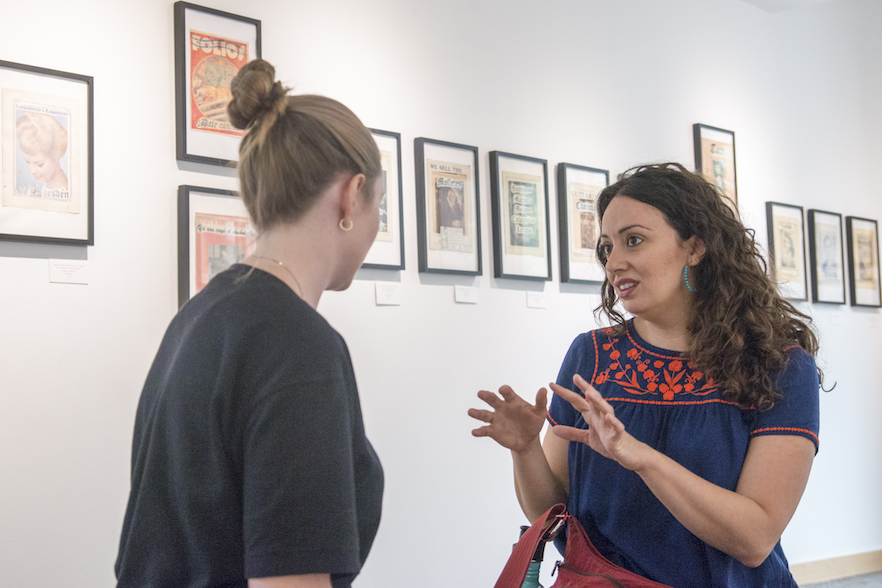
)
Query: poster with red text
[
  {"x": 221, "y": 241},
  {"x": 214, "y": 62}
]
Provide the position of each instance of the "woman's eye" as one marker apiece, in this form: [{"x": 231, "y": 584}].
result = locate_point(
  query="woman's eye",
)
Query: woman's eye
[
  {"x": 605, "y": 249},
  {"x": 634, "y": 240}
]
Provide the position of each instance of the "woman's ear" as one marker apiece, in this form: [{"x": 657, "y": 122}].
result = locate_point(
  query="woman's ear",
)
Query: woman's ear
[
  {"x": 351, "y": 195},
  {"x": 696, "y": 248}
]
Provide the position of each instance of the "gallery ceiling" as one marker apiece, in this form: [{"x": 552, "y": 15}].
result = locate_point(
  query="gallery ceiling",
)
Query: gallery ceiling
[{"x": 780, "y": 5}]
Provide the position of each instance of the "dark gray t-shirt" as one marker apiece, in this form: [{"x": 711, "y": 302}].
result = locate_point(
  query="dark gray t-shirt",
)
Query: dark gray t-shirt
[{"x": 249, "y": 456}]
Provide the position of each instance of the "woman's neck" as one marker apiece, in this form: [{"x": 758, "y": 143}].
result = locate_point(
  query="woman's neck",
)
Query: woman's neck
[
  {"x": 293, "y": 254},
  {"x": 674, "y": 336}
]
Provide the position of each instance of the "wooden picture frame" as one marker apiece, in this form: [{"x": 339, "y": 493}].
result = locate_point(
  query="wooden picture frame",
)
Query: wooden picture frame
[
  {"x": 521, "y": 226},
  {"x": 211, "y": 46},
  {"x": 214, "y": 232},
  {"x": 786, "y": 249},
  {"x": 47, "y": 156},
  {"x": 826, "y": 256},
  {"x": 578, "y": 187},
  {"x": 448, "y": 207},
  {"x": 715, "y": 160},
  {"x": 387, "y": 252},
  {"x": 862, "y": 237}
]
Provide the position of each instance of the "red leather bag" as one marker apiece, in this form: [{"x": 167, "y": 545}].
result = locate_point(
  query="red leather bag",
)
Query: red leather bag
[{"x": 582, "y": 565}]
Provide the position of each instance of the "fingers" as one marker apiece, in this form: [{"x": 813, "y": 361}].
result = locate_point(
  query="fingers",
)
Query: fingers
[
  {"x": 542, "y": 399},
  {"x": 592, "y": 396},
  {"x": 490, "y": 398},
  {"x": 578, "y": 402},
  {"x": 485, "y": 416},
  {"x": 481, "y": 432},
  {"x": 571, "y": 433},
  {"x": 507, "y": 393}
]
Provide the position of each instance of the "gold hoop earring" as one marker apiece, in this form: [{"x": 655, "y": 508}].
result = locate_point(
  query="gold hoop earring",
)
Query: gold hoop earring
[{"x": 346, "y": 229}]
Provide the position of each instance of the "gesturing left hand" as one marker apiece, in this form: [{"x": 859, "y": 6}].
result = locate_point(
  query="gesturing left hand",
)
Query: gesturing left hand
[{"x": 605, "y": 434}]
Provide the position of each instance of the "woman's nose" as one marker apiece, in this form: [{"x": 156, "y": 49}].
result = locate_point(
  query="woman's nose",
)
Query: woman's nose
[{"x": 615, "y": 260}]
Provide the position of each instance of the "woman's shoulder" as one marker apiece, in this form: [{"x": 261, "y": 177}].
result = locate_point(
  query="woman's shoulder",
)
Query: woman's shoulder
[{"x": 800, "y": 365}]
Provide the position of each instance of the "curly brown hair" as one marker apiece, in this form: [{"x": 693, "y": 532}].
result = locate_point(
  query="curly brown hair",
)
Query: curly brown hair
[{"x": 740, "y": 326}]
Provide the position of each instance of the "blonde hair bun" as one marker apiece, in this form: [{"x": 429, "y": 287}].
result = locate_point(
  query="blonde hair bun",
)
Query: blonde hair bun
[{"x": 256, "y": 94}]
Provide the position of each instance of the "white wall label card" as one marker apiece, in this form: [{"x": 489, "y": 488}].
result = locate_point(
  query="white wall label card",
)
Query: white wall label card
[
  {"x": 465, "y": 294},
  {"x": 66, "y": 271},
  {"x": 536, "y": 300},
  {"x": 388, "y": 294}
]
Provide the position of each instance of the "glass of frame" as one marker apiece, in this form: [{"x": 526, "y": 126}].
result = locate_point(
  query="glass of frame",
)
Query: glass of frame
[
  {"x": 826, "y": 258},
  {"x": 715, "y": 159},
  {"x": 577, "y": 190},
  {"x": 519, "y": 202},
  {"x": 210, "y": 48},
  {"x": 387, "y": 252},
  {"x": 786, "y": 246},
  {"x": 214, "y": 232},
  {"x": 448, "y": 210},
  {"x": 46, "y": 164},
  {"x": 862, "y": 235}
]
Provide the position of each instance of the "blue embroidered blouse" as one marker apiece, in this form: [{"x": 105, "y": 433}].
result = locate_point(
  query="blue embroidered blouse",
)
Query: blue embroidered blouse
[{"x": 663, "y": 401}]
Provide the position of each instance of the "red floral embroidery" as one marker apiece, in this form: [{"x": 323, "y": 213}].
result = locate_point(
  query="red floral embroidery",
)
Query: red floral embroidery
[{"x": 668, "y": 377}]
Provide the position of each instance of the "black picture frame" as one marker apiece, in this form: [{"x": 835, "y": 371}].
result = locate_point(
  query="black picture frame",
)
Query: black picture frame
[
  {"x": 826, "y": 256},
  {"x": 862, "y": 237},
  {"x": 578, "y": 256},
  {"x": 441, "y": 247},
  {"x": 387, "y": 252},
  {"x": 714, "y": 157},
  {"x": 786, "y": 232},
  {"x": 33, "y": 210},
  {"x": 214, "y": 141},
  {"x": 209, "y": 217},
  {"x": 517, "y": 257}
]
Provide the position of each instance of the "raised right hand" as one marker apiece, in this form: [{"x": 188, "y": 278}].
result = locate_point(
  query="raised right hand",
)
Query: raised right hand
[{"x": 513, "y": 423}]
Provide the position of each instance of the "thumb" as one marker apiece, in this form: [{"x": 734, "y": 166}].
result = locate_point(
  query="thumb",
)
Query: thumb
[{"x": 542, "y": 399}]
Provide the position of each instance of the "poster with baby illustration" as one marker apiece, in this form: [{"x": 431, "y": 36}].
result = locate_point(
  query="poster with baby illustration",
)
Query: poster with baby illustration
[
  {"x": 40, "y": 152},
  {"x": 46, "y": 146}
]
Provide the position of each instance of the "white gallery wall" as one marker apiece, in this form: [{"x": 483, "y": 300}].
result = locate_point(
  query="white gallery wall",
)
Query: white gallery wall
[{"x": 592, "y": 82}]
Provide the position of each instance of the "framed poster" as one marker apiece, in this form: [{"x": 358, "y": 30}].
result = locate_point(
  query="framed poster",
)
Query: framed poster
[
  {"x": 786, "y": 246},
  {"x": 519, "y": 202},
  {"x": 214, "y": 232},
  {"x": 715, "y": 160},
  {"x": 210, "y": 48},
  {"x": 826, "y": 260},
  {"x": 862, "y": 235},
  {"x": 387, "y": 252},
  {"x": 448, "y": 210},
  {"x": 46, "y": 158},
  {"x": 579, "y": 224}
]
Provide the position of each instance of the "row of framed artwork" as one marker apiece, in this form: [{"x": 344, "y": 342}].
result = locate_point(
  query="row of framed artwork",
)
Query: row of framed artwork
[
  {"x": 42, "y": 106},
  {"x": 827, "y": 266},
  {"x": 214, "y": 229}
]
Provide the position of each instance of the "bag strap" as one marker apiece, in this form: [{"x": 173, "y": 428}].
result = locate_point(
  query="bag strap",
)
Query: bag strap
[{"x": 545, "y": 527}]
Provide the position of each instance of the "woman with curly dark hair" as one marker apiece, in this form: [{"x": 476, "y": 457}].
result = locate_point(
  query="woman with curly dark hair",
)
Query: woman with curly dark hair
[{"x": 687, "y": 445}]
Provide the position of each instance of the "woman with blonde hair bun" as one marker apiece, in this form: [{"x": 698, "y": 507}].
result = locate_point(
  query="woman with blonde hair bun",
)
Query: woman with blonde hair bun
[{"x": 250, "y": 465}]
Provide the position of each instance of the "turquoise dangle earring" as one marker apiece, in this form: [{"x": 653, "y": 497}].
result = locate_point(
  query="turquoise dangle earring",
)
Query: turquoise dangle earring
[{"x": 686, "y": 278}]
